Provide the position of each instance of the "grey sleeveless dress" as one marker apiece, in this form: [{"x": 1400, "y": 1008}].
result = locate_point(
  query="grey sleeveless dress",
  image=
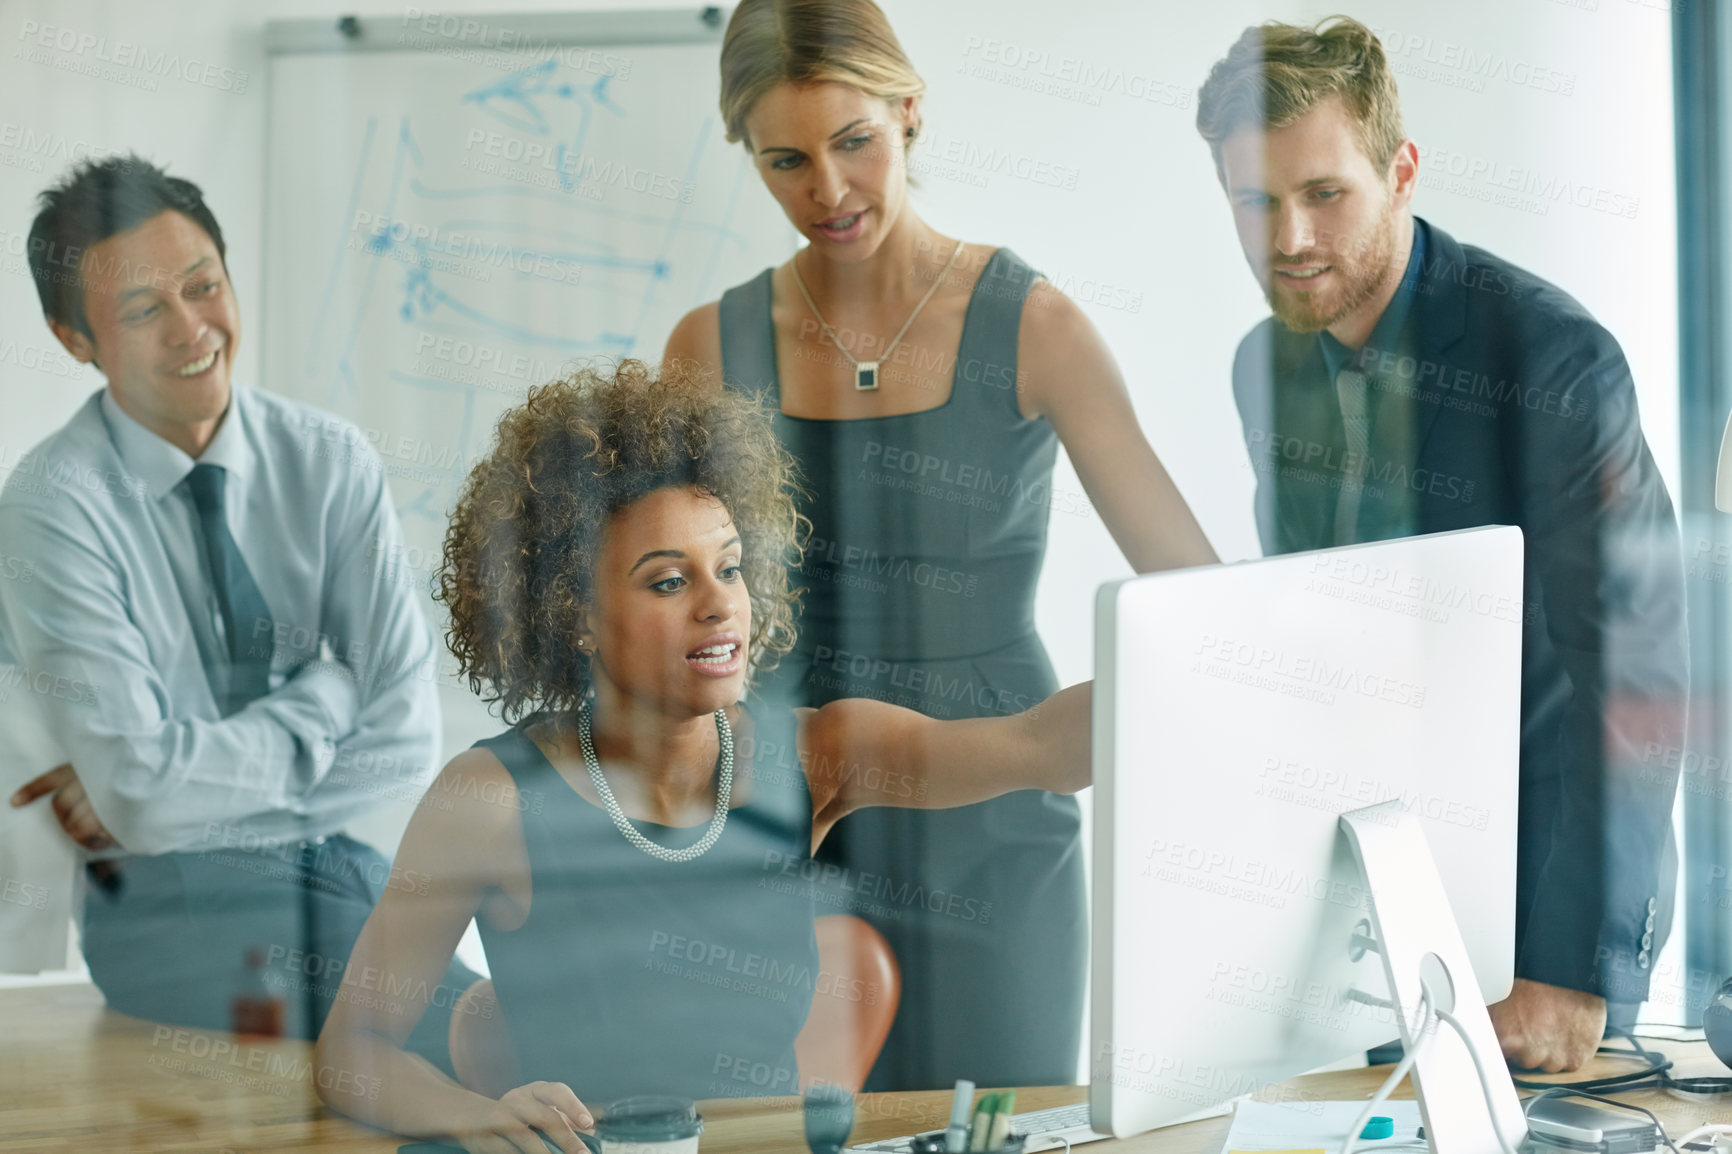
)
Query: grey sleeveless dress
[{"x": 928, "y": 534}]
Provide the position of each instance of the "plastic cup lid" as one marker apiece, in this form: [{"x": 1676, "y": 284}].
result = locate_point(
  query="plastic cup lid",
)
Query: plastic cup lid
[{"x": 652, "y": 1118}]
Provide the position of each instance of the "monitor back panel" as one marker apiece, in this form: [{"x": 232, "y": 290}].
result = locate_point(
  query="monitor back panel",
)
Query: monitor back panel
[{"x": 1239, "y": 710}]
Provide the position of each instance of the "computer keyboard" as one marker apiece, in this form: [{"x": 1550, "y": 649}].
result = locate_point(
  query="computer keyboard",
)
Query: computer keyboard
[{"x": 1054, "y": 1129}]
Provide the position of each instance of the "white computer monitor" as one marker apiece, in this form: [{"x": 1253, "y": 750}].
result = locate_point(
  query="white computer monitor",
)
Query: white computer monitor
[{"x": 1239, "y": 710}]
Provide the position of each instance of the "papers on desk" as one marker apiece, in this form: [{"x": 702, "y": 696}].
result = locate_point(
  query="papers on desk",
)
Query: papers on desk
[{"x": 1313, "y": 1126}]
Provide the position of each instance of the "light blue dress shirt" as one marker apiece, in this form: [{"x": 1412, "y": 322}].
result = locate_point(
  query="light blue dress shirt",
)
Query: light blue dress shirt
[{"x": 115, "y": 630}]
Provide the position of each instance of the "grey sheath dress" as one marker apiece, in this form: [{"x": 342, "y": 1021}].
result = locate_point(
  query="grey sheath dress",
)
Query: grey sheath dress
[
  {"x": 634, "y": 975},
  {"x": 929, "y": 530}
]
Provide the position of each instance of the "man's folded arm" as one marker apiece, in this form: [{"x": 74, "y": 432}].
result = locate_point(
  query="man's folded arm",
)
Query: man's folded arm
[
  {"x": 154, "y": 778},
  {"x": 1602, "y": 542},
  {"x": 372, "y": 600}
]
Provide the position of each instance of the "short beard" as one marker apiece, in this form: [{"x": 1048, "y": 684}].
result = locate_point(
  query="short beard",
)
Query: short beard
[{"x": 1363, "y": 277}]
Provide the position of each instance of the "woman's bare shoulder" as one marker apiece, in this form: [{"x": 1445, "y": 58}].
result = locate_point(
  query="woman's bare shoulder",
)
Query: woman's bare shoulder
[
  {"x": 697, "y": 337},
  {"x": 468, "y": 820}
]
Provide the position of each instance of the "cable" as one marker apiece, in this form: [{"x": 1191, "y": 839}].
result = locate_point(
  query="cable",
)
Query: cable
[
  {"x": 1479, "y": 1068},
  {"x": 1656, "y": 1075},
  {"x": 1715, "y": 1129},
  {"x": 1423, "y": 1034},
  {"x": 1649, "y": 1077}
]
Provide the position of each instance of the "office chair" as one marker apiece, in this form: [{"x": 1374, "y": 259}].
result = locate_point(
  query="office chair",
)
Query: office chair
[{"x": 855, "y": 999}]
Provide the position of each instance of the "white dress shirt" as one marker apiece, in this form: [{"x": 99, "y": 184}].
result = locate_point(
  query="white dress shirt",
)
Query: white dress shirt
[{"x": 118, "y": 623}]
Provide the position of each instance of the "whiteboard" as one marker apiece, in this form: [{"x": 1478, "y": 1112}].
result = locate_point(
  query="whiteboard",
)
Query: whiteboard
[{"x": 446, "y": 228}]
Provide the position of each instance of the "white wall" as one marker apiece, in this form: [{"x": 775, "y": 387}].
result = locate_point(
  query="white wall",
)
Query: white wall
[
  {"x": 1146, "y": 229},
  {"x": 1567, "y": 98}
]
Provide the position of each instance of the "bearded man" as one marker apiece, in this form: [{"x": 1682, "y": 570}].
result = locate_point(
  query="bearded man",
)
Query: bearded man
[{"x": 1407, "y": 384}]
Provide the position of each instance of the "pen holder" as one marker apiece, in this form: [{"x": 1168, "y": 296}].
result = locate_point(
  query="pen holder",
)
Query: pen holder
[{"x": 934, "y": 1144}]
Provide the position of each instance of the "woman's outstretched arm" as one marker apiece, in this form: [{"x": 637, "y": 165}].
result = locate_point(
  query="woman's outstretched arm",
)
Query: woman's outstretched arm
[
  {"x": 1067, "y": 374},
  {"x": 859, "y": 752}
]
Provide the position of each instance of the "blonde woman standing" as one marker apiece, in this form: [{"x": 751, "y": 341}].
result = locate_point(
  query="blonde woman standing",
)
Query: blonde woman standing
[{"x": 924, "y": 384}]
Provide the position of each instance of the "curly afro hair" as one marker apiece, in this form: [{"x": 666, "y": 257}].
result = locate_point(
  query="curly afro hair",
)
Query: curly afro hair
[{"x": 518, "y": 565}]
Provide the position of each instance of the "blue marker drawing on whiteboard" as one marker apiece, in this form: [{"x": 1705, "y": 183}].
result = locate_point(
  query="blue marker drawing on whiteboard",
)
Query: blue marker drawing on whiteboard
[{"x": 450, "y": 241}]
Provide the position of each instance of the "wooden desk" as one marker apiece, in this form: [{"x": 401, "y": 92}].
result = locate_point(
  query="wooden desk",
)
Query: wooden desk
[{"x": 76, "y": 1077}]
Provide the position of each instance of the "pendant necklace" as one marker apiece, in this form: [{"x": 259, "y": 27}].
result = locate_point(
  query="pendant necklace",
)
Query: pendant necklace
[{"x": 866, "y": 372}]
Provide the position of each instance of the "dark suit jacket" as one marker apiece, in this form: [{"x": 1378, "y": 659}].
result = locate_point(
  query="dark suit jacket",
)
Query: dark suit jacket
[{"x": 1504, "y": 403}]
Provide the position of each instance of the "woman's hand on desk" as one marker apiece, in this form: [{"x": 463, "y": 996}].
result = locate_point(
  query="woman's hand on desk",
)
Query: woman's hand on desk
[{"x": 517, "y": 1121}]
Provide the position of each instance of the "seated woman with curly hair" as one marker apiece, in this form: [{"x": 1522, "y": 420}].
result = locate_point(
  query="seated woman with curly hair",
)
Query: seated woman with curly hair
[{"x": 632, "y": 848}]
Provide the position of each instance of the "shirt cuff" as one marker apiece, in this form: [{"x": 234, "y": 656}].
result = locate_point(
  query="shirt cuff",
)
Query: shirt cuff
[{"x": 332, "y": 686}]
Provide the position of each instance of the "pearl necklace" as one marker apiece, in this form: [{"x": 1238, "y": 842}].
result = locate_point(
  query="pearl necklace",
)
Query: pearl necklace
[{"x": 724, "y": 731}]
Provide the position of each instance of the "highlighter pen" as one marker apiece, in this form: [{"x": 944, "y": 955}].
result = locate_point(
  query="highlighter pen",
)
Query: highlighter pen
[
  {"x": 982, "y": 1121},
  {"x": 956, "y": 1134},
  {"x": 1000, "y": 1132}
]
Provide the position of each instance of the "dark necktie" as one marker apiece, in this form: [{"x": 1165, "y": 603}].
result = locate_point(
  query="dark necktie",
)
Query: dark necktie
[
  {"x": 246, "y": 619},
  {"x": 1355, "y": 418}
]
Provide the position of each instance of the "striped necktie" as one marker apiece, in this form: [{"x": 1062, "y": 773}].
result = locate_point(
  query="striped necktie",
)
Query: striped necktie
[
  {"x": 246, "y": 618},
  {"x": 1350, "y": 387}
]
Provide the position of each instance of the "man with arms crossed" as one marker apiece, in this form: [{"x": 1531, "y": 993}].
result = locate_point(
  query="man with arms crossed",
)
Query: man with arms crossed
[
  {"x": 1411, "y": 384},
  {"x": 214, "y": 583}
]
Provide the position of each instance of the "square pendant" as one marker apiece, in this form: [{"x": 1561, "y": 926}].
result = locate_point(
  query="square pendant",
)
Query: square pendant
[{"x": 866, "y": 376}]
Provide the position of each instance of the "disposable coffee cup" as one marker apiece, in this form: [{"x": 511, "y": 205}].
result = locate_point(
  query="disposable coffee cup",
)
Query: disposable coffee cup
[{"x": 649, "y": 1125}]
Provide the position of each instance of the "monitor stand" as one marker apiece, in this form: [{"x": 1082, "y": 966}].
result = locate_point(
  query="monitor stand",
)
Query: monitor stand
[{"x": 1416, "y": 933}]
